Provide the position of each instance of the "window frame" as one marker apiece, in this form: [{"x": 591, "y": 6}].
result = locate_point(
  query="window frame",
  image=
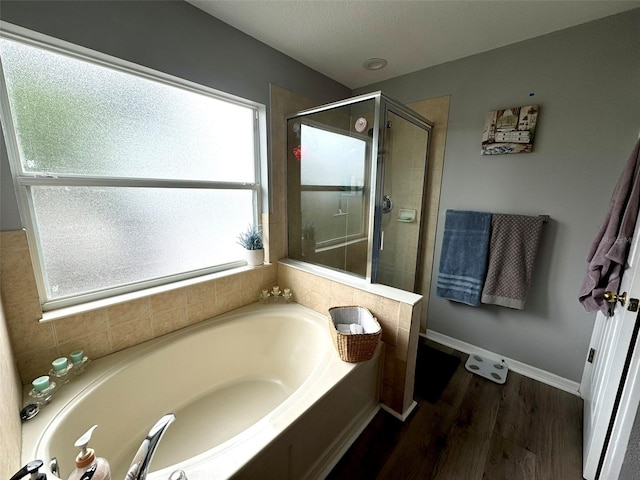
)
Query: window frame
[{"x": 24, "y": 180}]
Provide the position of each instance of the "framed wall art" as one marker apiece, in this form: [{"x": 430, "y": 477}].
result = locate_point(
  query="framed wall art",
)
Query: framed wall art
[{"x": 511, "y": 130}]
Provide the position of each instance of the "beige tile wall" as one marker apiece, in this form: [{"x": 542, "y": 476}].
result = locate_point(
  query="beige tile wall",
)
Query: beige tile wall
[
  {"x": 106, "y": 330},
  {"x": 404, "y": 181},
  {"x": 10, "y": 404},
  {"x": 399, "y": 321},
  {"x": 436, "y": 110},
  {"x": 283, "y": 103}
]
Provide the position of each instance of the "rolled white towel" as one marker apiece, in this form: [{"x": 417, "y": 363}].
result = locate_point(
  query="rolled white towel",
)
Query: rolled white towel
[
  {"x": 343, "y": 327},
  {"x": 349, "y": 328},
  {"x": 356, "y": 328}
]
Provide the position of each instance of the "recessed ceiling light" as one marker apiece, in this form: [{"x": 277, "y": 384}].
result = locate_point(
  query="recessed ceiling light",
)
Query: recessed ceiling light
[{"x": 375, "y": 64}]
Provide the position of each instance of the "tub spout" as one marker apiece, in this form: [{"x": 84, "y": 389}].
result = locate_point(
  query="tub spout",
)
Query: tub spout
[{"x": 140, "y": 464}]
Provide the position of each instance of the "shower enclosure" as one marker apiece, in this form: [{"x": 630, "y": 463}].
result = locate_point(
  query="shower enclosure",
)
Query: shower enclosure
[{"x": 356, "y": 176}]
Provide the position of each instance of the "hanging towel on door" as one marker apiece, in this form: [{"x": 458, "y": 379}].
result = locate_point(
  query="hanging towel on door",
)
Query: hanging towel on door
[
  {"x": 512, "y": 254},
  {"x": 608, "y": 253},
  {"x": 463, "y": 260}
]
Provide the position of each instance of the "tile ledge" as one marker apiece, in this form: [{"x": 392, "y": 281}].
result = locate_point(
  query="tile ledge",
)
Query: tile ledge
[
  {"x": 59, "y": 313},
  {"x": 360, "y": 283}
]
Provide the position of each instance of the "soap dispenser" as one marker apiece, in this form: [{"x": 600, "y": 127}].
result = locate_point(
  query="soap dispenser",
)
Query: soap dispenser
[{"x": 88, "y": 466}]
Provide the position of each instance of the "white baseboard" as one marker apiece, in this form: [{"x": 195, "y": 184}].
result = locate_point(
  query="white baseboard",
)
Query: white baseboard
[
  {"x": 535, "y": 373},
  {"x": 402, "y": 417}
]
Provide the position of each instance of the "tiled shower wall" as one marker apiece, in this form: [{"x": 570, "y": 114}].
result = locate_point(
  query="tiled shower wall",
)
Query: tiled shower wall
[
  {"x": 404, "y": 181},
  {"x": 436, "y": 110}
]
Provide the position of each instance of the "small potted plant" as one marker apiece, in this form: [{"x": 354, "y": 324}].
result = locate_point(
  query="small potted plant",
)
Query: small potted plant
[{"x": 251, "y": 241}]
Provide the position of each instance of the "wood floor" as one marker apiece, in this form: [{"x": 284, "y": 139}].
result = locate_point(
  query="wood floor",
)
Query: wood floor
[{"x": 476, "y": 430}]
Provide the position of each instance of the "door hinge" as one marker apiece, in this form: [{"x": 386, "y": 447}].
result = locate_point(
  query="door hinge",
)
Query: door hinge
[
  {"x": 633, "y": 304},
  {"x": 592, "y": 352}
]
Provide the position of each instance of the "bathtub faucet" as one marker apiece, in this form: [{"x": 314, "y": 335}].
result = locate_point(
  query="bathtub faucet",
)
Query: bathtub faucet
[{"x": 140, "y": 464}]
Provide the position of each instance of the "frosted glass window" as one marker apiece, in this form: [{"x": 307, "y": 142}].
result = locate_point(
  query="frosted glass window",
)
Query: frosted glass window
[
  {"x": 129, "y": 178},
  {"x": 331, "y": 159},
  {"x": 97, "y": 238},
  {"x": 73, "y": 116}
]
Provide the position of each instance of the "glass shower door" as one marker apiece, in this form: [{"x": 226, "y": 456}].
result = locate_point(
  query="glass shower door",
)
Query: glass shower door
[
  {"x": 328, "y": 172},
  {"x": 343, "y": 159},
  {"x": 404, "y": 174}
]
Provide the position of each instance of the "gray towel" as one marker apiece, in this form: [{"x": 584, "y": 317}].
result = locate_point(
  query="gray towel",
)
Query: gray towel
[
  {"x": 463, "y": 260},
  {"x": 512, "y": 254},
  {"x": 608, "y": 254}
]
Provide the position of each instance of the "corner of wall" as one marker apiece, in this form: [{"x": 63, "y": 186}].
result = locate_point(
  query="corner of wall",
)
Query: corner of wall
[{"x": 10, "y": 404}]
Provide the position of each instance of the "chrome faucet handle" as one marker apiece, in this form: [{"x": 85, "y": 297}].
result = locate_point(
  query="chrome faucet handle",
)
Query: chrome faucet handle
[
  {"x": 141, "y": 460},
  {"x": 30, "y": 468}
]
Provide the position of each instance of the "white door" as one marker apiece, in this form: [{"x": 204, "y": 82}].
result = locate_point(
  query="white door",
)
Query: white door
[{"x": 602, "y": 377}]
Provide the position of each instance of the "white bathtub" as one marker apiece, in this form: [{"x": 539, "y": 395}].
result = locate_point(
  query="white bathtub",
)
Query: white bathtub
[{"x": 258, "y": 391}]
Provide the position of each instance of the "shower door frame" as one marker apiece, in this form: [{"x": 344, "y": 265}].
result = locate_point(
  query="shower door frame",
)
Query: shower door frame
[{"x": 384, "y": 106}]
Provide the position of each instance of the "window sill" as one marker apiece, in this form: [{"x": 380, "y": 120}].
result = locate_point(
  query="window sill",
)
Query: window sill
[{"x": 60, "y": 313}]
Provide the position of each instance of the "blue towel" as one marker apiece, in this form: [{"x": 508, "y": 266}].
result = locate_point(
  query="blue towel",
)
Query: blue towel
[{"x": 463, "y": 260}]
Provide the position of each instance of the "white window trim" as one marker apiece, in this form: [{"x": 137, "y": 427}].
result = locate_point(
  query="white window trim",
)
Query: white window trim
[{"x": 89, "y": 301}]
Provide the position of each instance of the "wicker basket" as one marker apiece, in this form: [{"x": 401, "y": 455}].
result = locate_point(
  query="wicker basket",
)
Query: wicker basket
[{"x": 354, "y": 347}]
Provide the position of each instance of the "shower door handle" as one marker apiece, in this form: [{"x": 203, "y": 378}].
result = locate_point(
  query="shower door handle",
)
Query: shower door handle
[{"x": 382, "y": 240}]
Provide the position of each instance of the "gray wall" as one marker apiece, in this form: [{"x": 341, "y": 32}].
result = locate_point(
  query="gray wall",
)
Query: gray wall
[
  {"x": 586, "y": 80},
  {"x": 173, "y": 37},
  {"x": 176, "y": 38},
  {"x": 9, "y": 216}
]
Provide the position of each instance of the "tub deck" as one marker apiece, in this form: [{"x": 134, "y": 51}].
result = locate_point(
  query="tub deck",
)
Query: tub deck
[{"x": 245, "y": 387}]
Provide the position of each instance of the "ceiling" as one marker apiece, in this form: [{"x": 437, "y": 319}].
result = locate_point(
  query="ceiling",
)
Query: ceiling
[{"x": 335, "y": 37}]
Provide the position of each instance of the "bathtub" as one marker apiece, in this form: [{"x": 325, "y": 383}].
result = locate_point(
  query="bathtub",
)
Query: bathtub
[{"x": 258, "y": 392}]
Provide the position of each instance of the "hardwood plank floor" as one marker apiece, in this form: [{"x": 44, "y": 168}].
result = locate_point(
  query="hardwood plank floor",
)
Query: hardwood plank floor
[{"x": 476, "y": 430}]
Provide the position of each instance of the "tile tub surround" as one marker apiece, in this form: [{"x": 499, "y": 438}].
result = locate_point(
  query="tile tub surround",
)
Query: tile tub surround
[
  {"x": 108, "y": 329},
  {"x": 10, "y": 404},
  {"x": 261, "y": 415},
  {"x": 400, "y": 324}
]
